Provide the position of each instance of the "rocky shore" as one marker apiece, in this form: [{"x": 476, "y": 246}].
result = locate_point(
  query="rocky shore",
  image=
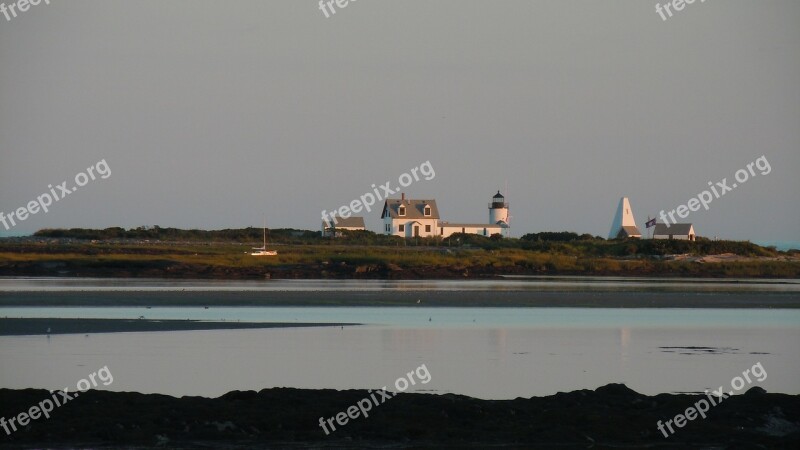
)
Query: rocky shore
[
  {"x": 380, "y": 271},
  {"x": 612, "y": 416},
  {"x": 176, "y": 270}
]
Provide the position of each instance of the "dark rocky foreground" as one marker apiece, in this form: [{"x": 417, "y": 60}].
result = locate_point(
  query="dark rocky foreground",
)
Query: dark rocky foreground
[{"x": 612, "y": 416}]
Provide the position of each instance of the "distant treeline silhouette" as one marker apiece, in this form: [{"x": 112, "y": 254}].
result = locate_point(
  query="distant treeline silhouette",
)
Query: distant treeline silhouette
[
  {"x": 561, "y": 242},
  {"x": 157, "y": 233}
]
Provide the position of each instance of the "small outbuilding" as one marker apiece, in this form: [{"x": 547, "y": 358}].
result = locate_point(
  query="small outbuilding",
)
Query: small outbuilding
[
  {"x": 629, "y": 231},
  {"x": 680, "y": 231},
  {"x": 331, "y": 228}
]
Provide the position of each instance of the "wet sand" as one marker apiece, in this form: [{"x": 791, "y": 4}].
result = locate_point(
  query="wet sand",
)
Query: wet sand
[
  {"x": 25, "y": 327},
  {"x": 463, "y": 298}
]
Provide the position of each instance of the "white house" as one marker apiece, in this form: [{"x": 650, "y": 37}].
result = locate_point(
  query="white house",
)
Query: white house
[
  {"x": 681, "y": 231},
  {"x": 410, "y": 218},
  {"x": 334, "y": 229},
  {"x": 624, "y": 225},
  {"x": 420, "y": 218}
]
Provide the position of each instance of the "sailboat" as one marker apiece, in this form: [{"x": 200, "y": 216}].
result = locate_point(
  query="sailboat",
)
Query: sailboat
[{"x": 262, "y": 251}]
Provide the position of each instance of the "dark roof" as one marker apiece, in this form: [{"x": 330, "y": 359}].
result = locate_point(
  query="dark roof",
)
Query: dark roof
[
  {"x": 498, "y": 195},
  {"x": 350, "y": 222},
  {"x": 415, "y": 209},
  {"x": 629, "y": 231},
  {"x": 676, "y": 229}
]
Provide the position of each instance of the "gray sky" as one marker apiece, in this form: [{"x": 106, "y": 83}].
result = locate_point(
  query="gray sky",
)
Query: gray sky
[{"x": 211, "y": 114}]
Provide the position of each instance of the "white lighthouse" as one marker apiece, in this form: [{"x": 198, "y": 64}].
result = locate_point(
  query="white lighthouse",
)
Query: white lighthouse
[{"x": 498, "y": 210}]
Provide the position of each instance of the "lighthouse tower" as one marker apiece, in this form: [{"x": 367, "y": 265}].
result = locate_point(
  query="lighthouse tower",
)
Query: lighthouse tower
[{"x": 498, "y": 210}]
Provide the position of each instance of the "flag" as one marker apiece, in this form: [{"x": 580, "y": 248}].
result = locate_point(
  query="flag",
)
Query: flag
[{"x": 650, "y": 223}]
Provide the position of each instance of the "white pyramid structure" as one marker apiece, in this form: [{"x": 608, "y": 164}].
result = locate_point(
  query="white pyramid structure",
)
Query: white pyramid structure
[{"x": 624, "y": 222}]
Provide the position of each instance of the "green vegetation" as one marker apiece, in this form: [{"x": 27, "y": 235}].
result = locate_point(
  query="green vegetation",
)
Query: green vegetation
[
  {"x": 169, "y": 252},
  {"x": 156, "y": 233},
  {"x": 564, "y": 242}
]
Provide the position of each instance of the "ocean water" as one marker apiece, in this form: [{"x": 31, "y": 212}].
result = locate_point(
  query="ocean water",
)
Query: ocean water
[
  {"x": 443, "y": 317},
  {"x": 780, "y": 245},
  {"x": 492, "y": 353},
  {"x": 10, "y": 233},
  {"x": 486, "y": 362}
]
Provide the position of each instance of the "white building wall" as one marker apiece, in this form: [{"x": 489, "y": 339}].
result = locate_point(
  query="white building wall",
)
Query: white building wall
[
  {"x": 388, "y": 226},
  {"x": 498, "y": 215},
  {"x": 408, "y": 227},
  {"x": 391, "y": 226},
  {"x": 487, "y": 231},
  {"x": 677, "y": 237}
]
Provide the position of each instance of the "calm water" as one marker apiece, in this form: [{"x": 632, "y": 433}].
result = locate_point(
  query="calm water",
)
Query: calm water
[
  {"x": 482, "y": 352},
  {"x": 780, "y": 245},
  {"x": 439, "y": 317},
  {"x": 511, "y": 283}
]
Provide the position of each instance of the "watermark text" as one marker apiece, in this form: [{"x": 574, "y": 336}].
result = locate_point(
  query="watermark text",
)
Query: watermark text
[
  {"x": 11, "y": 10},
  {"x": 716, "y": 397},
  {"x": 674, "y": 5},
  {"x": 59, "y": 398},
  {"x": 719, "y": 189},
  {"x": 363, "y": 406},
  {"x": 44, "y": 201},
  {"x": 368, "y": 199}
]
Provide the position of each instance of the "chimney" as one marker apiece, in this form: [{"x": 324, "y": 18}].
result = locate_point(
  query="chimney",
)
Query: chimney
[{"x": 403, "y": 197}]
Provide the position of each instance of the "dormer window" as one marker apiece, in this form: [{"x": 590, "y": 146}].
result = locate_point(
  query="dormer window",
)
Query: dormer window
[
  {"x": 401, "y": 211},
  {"x": 427, "y": 210}
]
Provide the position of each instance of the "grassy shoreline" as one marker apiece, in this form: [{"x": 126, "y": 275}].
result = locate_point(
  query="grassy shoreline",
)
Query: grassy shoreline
[{"x": 53, "y": 257}]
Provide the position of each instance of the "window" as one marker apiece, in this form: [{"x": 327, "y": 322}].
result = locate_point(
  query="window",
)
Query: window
[
  {"x": 484, "y": 231},
  {"x": 401, "y": 211},
  {"x": 428, "y": 211},
  {"x": 427, "y": 228},
  {"x": 401, "y": 228}
]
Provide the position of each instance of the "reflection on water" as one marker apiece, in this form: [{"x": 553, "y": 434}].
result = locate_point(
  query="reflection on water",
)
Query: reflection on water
[
  {"x": 482, "y": 362},
  {"x": 482, "y": 352},
  {"x": 441, "y": 317}
]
